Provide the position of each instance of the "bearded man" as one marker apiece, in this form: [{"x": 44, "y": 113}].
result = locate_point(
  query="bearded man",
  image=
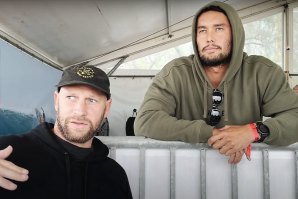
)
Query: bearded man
[
  {"x": 220, "y": 94},
  {"x": 64, "y": 160}
]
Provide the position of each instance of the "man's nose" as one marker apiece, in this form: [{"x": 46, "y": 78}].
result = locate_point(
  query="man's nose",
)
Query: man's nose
[
  {"x": 210, "y": 37},
  {"x": 80, "y": 108}
]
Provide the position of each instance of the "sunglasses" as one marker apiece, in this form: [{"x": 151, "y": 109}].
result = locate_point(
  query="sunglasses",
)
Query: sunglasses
[{"x": 215, "y": 114}]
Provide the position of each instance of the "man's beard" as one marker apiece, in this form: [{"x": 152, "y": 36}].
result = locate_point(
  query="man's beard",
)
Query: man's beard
[
  {"x": 73, "y": 135},
  {"x": 217, "y": 61}
]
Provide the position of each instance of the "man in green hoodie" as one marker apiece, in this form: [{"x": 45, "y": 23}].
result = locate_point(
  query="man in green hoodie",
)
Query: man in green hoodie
[{"x": 220, "y": 94}]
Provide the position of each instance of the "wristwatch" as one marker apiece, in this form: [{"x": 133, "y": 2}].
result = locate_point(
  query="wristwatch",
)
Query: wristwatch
[{"x": 263, "y": 131}]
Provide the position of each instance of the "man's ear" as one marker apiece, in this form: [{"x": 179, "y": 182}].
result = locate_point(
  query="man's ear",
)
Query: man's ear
[
  {"x": 108, "y": 107},
  {"x": 56, "y": 100}
]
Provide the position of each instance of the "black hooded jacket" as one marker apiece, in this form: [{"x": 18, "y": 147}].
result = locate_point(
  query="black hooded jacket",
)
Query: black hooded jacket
[{"x": 54, "y": 172}]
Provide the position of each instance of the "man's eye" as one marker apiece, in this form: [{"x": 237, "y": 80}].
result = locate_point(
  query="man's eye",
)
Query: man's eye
[
  {"x": 92, "y": 100},
  {"x": 201, "y": 31},
  {"x": 70, "y": 97}
]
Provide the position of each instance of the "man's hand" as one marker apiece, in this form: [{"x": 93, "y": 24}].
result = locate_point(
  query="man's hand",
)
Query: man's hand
[
  {"x": 231, "y": 139},
  {"x": 236, "y": 157},
  {"x": 8, "y": 170}
]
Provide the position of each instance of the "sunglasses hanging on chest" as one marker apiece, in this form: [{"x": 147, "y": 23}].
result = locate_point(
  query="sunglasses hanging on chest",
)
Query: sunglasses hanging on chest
[{"x": 215, "y": 114}]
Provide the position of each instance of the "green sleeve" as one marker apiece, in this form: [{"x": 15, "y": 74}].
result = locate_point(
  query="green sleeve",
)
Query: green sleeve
[
  {"x": 156, "y": 117},
  {"x": 281, "y": 104}
]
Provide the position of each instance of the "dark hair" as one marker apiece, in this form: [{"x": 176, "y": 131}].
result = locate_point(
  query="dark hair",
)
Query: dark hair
[{"x": 213, "y": 8}]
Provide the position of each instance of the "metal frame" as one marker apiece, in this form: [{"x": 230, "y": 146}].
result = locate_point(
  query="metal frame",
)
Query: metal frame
[{"x": 143, "y": 144}]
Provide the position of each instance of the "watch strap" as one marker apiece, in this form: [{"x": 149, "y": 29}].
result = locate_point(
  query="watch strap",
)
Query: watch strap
[
  {"x": 257, "y": 136},
  {"x": 263, "y": 131}
]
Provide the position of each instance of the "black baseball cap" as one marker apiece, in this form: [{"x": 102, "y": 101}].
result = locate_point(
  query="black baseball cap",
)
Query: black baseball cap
[{"x": 87, "y": 75}]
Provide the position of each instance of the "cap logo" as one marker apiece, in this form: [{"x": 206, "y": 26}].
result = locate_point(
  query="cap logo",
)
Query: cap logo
[{"x": 85, "y": 72}]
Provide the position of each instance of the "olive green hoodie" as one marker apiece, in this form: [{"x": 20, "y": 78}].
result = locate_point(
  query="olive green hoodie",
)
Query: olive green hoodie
[{"x": 177, "y": 103}]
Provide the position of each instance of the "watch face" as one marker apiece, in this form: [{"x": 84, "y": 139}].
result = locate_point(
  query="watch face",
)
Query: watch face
[{"x": 264, "y": 129}]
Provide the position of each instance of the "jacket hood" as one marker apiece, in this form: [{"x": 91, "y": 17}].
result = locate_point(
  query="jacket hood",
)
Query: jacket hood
[
  {"x": 100, "y": 150},
  {"x": 68, "y": 154},
  {"x": 238, "y": 38}
]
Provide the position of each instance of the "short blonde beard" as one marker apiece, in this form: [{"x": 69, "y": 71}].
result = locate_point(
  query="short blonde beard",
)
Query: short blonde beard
[{"x": 65, "y": 132}]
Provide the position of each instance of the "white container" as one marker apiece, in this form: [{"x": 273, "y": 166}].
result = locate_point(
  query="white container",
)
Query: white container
[{"x": 178, "y": 170}]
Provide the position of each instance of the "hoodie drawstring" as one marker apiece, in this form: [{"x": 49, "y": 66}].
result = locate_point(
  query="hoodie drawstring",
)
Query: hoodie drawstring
[
  {"x": 85, "y": 180},
  {"x": 68, "y": 180},
  {"x": 205, "y": 100}
]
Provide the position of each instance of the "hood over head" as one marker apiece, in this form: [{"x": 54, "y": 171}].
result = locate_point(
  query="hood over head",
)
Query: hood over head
[{"x": 238, "y": 38}]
